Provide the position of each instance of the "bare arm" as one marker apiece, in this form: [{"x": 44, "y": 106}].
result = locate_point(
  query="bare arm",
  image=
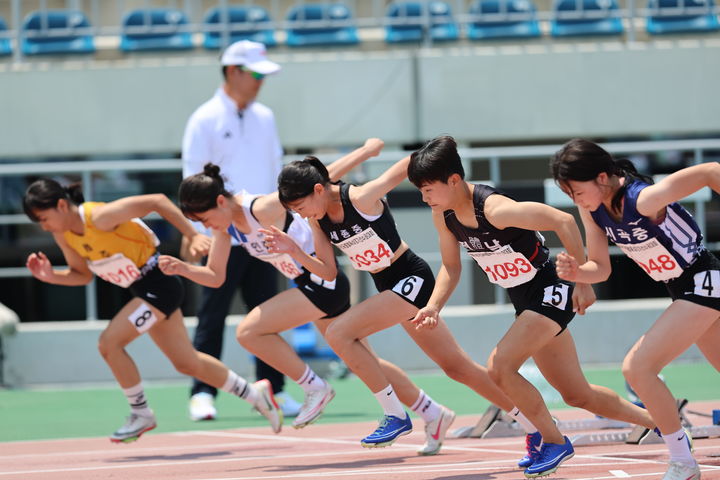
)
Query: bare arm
[
  {"x": 343, "y": 165},
  {"x": 76, "y": 274},
  {"x": 677, "y": 186},
  {"x": 447, "y": 278},
  {"x": 597, "y": 268},
  {"x": 211, "y": 275},
  {"x": 322, "y": 264},
  {"x": 366, "y": 197},
  {"x": 107, "y": 217}
]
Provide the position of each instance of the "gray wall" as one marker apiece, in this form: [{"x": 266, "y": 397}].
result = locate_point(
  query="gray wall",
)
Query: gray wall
[
  {"x": 490, "y": 93},
  {"x": 41, "y": 353}
]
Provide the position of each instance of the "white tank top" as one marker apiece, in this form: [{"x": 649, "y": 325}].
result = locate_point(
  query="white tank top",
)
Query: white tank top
[{"x": 254, "y": 241}]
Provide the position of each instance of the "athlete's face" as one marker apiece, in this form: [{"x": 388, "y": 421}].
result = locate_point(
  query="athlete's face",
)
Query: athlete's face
[
  {"x": 218, "y": 218},
  {"x": 313, "y": 205},
  {"x": 51, "y": 220},
  {"x": 587, "y": 195},
  {"x": 437, "y": 194}
]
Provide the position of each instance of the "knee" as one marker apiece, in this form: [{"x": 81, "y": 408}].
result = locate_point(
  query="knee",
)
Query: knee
[
  {"x": 244, "y": 335},
  {"x": 337, "y": 337},
  {"x": 634, "y": 368},
  {"x": 187, "y": 366},
  {"x": 498, "y": 371},
  {"x": 458, "y": 372},
  {"x": 577, "y": 399},
  {"x": 106, "y": 347}
]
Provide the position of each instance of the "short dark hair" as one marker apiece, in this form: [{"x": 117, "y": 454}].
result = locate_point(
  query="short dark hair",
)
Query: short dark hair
[{"x": 436, "y": 161}]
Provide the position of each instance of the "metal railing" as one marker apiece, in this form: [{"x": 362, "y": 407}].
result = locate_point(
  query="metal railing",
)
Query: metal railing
[
  {"x": 106, "y": 17},
  {"x": 496, "y": 157}
]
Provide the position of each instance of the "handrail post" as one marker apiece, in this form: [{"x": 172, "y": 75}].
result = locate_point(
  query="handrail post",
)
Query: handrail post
[{"x": 90, "y": 290}]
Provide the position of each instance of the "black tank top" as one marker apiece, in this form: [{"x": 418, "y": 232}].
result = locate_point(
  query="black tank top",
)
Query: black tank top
[
  {"x": 504, "y": 255},
  {"x": 370, "y": 245}
]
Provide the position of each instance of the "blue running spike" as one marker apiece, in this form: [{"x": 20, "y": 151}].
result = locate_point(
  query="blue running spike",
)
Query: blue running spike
[{"x": 390, "y": 428}]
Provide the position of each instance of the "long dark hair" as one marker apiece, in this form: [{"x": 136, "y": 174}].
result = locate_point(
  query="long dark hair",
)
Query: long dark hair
[
  {"x": 298, "y": 179},
  {"x": 45, "y": 193},
  {"x": 582, "y": 161},
  {"x": 198, "y": 193}
]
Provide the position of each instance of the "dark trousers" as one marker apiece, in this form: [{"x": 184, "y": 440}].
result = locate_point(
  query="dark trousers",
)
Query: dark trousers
[{"x": 258, "y": 282}]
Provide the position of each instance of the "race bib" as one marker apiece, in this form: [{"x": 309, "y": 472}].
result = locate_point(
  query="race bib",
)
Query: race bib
[
  {"x": 556, "y": 296},
  {"x": 118, "y": 270},
  {"x": 286, "y": 265},
  {"x": 142, "y": 318},
  {"x": 409, "y": 287},
  {"x": 367, "y": 251},
  {"x": 505, "y": 267},
  {"x": 707, "y": 283},
  {"x": 654, "y": 258}
]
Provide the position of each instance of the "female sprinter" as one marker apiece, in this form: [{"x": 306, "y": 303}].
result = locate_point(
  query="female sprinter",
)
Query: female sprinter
[
  {"x": 502, "y": 236},
  {"x": 110, "y": 240},
  {"x": 644, "y": 220},
  {"x": 358, "y": 221},
  {"x": 265, "y": 228}
]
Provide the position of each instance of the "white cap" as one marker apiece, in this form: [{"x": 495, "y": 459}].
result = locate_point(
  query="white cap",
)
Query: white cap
[{"x": 250, "y": 55}]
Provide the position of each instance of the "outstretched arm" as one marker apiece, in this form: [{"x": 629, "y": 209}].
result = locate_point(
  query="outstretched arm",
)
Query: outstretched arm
[
  {"x": 447, "y": 278},
  {"x": 677, "y": 186},
  {"x": 343, "y": 165},
  {"x": 107, "y": 217},
  {"x": 503, "y": 212},
  {"x": 365, "y": 197},
  {"x": 213, "y": 273},
  {"x": 76, "y": 274}
]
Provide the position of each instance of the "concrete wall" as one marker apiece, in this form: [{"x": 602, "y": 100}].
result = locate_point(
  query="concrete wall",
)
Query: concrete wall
[
  {"x": 490, "y": 93},
  {"x": 66, "y": 352}
]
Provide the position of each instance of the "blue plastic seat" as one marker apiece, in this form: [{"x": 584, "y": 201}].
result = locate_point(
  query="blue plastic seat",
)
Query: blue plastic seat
[
  {"x": 5, "y": 48},
  {"x": 585, "y": 17},
  {"x": 56, "y": 32},
  {"x": 328, "y": 24},
  {"x": 678, "y": 16},
  {"x": 251, "y": 25},
  {"x": 155, "y": 29},
  {"x": 503, "y": 19},
  {"x": 305, "y": 342},
  {"x": 442, "y": 25}
]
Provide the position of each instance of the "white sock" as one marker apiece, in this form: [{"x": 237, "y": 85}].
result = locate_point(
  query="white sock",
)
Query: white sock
[
  {"x": 136, "y": 399},
  {"x": 524, "y": 422},
  {"x": 426, "y": 407},
  {"x": 310, "y": 381},
  {"x": 238, "y": 386},
  {"x": 390, "y": 402},
  {"x": 677, "y": 443}
]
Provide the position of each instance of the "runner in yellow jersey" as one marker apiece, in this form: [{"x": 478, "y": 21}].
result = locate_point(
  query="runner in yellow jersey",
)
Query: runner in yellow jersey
[{"x": 110, "y": 240}]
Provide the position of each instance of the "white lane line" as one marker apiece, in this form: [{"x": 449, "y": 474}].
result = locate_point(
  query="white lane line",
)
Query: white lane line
[{"x": 620, "y": 473}]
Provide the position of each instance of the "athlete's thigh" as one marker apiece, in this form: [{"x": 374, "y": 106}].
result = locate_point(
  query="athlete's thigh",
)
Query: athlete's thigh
[
  {"x": 170, "y": 335},
  {"x": 678, "y": 327},
  {"x": 559, "y": 364},
  {"x": 282, "y": 312},
  {"x": 375, "y": 314},
  {"x": 123, "y": 328},
  {"x": 526, "y": 336},
  {"x": 439, "y": 343},
  {"x": 708, "y": 344}
]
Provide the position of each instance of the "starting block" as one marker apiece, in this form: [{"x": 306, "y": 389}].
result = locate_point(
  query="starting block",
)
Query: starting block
[{"x": 495, "y": 424}]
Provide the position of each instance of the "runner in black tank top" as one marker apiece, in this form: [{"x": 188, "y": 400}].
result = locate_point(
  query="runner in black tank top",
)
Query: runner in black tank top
[
  {"x": 501, "y": 236},
  {"x": 357, "y": 220},
  {"x": 616, "y": 202}
]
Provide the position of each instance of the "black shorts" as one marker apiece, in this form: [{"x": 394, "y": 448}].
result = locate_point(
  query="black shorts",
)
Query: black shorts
[
  {"x": 332, "y": 301},
  {"x": 545, "y": 294},
  {"x": 164, "y": 292},
  {"x": 410, "y": 277},
  {"x": 699, "y": 283}
]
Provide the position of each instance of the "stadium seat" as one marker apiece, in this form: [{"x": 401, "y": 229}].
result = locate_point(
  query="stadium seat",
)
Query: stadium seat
[
  {"x": 252, "y": 28},
  {"x": 5, "y": 48},
  {"x": 681, "y": 16},
  {"x": 585, "y": 17},
  {"x": 503, "y": 19},
  {"x": 54, "y": 32},
  {"x": 442, "y": 25},
  {"x": 330, "y": 25},
  {"x": 155, "y": 29},
  {"x": 306, "y": 343}
]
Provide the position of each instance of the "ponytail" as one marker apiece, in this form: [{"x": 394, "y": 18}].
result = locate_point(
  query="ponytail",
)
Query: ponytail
[
  {"x": 298, "y": 179},
  {"x": 198, "y": 193},
  {"x": 45, "y": 193}
]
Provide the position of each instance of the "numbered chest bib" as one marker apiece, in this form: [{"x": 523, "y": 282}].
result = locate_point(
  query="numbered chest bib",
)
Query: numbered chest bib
[
  {"x": 654, "y": 258},
  {"x": 118, "y": 270},
  {"x": 505, "y": 267},
  {"x": 285, "y": 264},
  {"x": 367, "y": 251}
]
